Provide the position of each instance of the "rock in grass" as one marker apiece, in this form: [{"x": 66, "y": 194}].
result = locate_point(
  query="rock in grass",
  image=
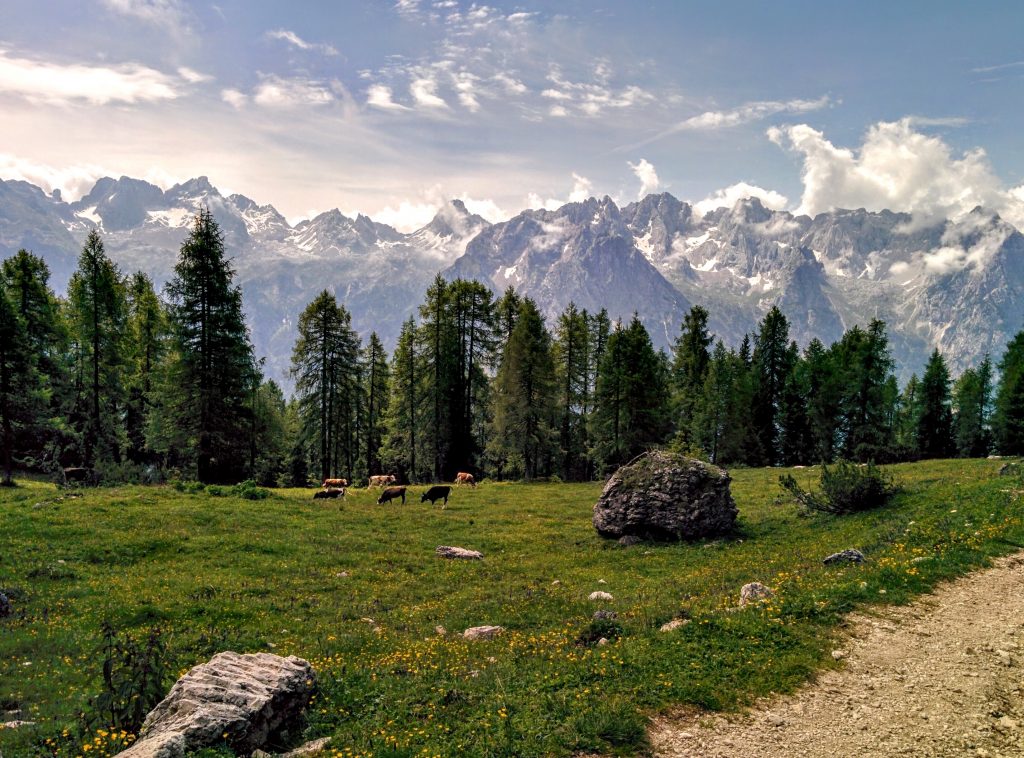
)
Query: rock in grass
[
  {"x": 251, "y": 698},
  {"x": 1010, "y": 469},
  {"x": 664, "y": 495},
  {"x": 755, "y": 592},
  {"x": 604, "y": 616},
  {"x": 483, "y": 632},
  {"x": 600, "y": 596},
  {"x": 628, "y": 540},
  {"x": 671, "y": 626},
  {"x": 458, "y": 553},
  {"x": 845, "y": 556}
]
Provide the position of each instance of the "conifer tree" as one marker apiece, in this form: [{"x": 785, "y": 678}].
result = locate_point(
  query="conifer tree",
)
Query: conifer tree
[
  {"x": 690, "y": 360},
  {"x": 525, "y": 397},
  {"x": 17, "y": 379},
  {"x": 1008, "y": 418},
  {"x": 864, "y": 364},
  {"x": 376, "y": 377},
  {"x": 270, "y": 434},
  {"x": 98, "y": 311},
  {"x": 506, "y": 312},
  {"x": 403, "y": 439},
  {"x": 204, "y": 419},
  {"x": 972, "y": 406},
  {"x": 572, "y": 356},
  {"x": 934, "y": 419},
  {"x": 773, "y": 360},
  {"x": 907, "y": 421},
  {"x": 146, "y": 346}
]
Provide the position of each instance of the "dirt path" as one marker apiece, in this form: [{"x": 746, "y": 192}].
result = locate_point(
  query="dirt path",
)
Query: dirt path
[{"x": 941, "y": 677}]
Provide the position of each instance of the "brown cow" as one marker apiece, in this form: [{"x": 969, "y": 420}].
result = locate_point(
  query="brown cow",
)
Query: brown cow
[
  {"x": 383, "y": 480},
  {"x": 330, "y": 493},
  {"x": 328, "y": 483},
  {"x": 390, "y": 494},
  {"x": 464, "y": 477}
]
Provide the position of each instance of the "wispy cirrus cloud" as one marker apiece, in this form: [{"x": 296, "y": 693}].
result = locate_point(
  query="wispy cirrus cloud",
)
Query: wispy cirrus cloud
[
  {"x": 170, "y": 14},
  {"x": 45, "y": 82},
  {"x": 294, "y": 40},
  {"x": 997, "y": 67}
]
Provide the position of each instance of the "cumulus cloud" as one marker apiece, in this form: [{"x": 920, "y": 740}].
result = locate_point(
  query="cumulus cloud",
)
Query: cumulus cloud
[
  {"x": 379, "y": 96},
  {"x": 411, "y": 214},
  {"x": 233, "y": 97},
  {"x": 192, "y": 76},
  {"x": 73, "y": 181},
  {"x": 648, "y": 177},
  {"x": 727, "y": 198},
  {"x": 64, "y": 84},
  {"x": 582, "y": 189},
  {"x": 898, "y": 168},
  {"x": 293, "y": 39},
  {"x": 424, "y": 92},
  {"x": 279, "y": 92}
]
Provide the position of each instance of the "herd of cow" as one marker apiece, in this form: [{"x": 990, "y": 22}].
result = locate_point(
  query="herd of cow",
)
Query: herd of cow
[{"x": 334, "y": 488}]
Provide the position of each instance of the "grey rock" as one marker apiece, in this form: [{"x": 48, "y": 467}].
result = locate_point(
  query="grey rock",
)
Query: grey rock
[
  {"x": 665, "y": 495},
  {"x": 250, "y": 697},
  {"x": 628, "y": 540},
  {"x": 599, "y": 595},
  {"x": 458, "y": 553},
  {"x": 844, "y": 556},
  {"x": 483, "y": 632},
  {"x": 755, "y": 592},
  {"x": 604, "y": 615},
  {"x": 1010, "y": 469},
  {"x": 671, "y": 626}
]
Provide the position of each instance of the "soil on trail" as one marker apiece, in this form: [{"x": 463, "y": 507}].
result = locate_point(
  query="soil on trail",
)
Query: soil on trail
[{"x": 941, "y": 677}]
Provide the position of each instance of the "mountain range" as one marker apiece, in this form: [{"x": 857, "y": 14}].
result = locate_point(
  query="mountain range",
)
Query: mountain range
[{"x": 957, "y": 285}]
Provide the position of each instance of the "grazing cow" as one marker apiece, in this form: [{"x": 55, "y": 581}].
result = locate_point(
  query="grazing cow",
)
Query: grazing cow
[
  {"x": 391, "y": 493},
  {"x": 435, "y": 493},
  {"x": 464, "y": 477},
  {"x": 330, "y": 493},
  {"x": 383, "y": 480},
  {"x": 328, "y": 483}
]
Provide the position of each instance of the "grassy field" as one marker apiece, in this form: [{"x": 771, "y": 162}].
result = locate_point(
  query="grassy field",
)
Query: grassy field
[{"x": 355, "y": 588}]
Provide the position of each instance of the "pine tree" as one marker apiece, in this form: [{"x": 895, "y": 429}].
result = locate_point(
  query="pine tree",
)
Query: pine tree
[
  {"x": 795, "y": 437},
  {"x": 773, "y": 360},
  {"x": 972, "y": 405},
  {"x": 270, "y": 435},
  {"x": 17, "y": 379},
  {"x": 934, "y": 419},
  {"x": 98, "y": 309},
  {"x": 711, "y": 412},
  {"x": 572, "y": 357},
  {"x": 824, "y": 400},
  {"x": 376, "y": 376},
  {"x": 403, "y": 439},
  {"x": 631, "y": 411},
  {"x": 691, "y": 358},
  {"x": 204, "y": 419},
  {"x": 147, "y": 344},
  {"x": 864, "y": 364},
  {"x": 525, "y": 397},
  {"x": 438, "y": 350},
  {"x": 506, "y": 312},
  {"x": 1008, "y": 418},
  {"x": 907, "y": 420}
]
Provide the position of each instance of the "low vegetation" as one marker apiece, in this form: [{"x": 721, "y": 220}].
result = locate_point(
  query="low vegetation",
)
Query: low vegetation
[
  {"x": 356, "y": 589},
  {"x": 845, "y": 488}
]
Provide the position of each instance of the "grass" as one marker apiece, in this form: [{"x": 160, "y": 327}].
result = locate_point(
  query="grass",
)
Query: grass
[{"x": 355, "y": 588}]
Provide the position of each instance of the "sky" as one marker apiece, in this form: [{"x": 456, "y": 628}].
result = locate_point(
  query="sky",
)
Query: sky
[{"x": 392, "y": 107}]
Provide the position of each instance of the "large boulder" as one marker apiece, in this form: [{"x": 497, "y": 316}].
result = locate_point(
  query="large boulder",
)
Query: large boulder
[
  {"x": 663, "y": 495},
  {"x": 250, "y": 698}
]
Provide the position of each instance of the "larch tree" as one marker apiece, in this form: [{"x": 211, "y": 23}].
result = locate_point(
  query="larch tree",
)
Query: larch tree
[
  {"x": 376, "y": 376},
  {"x": 17, "y": 380},
  {"x": 1008, "y": 418}
]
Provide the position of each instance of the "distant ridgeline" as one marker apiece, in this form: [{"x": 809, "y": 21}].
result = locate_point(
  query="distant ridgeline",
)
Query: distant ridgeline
[{"x": 129, "y": 384}]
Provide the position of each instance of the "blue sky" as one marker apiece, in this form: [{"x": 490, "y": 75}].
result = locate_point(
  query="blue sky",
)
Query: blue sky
[{"x": 389, "y": 108}]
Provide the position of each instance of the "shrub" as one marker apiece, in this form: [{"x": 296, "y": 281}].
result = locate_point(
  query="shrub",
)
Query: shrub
[
  {"x": 608, "y": 628},
  {"x": 215, "y": 490},
  {"x": 845, "y": 488},
  {"x": 249, "y": 491},
  {"x": 135, "y": 677}
]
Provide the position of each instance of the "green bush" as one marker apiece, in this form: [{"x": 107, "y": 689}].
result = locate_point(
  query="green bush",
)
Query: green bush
[
  {"x": 215, "y": 490},
  {"x": 249, "y": 491},
  {"x": 135, "y": 678},
  {"x": 845, "y": 488}
]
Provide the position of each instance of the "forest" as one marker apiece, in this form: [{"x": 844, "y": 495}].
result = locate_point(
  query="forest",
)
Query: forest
[{"x": 141, "y": 386}]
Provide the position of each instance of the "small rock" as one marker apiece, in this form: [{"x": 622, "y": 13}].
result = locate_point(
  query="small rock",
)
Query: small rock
[
  {"x": 459, "y": 553},
  {"x": 671, "y": 626},
  {"x": 309, "y": 749},
  {"x": 602, "y": 642},
  {"x": 754, "y": 592},
  {"x": 342, "y": 575},
  {"x": 556, "y": 583},
  {"x": 845, "y": 556},
  {"x": 16, "y": 724},
  {"x": 629, "y": 540},
  {"x": 600, "y": 596},
  {"x": 776, "y": 720},
  {"x": 483, "y": 632},
  {"x": 1007, "y": 724},
  {"x": 440, "y": 631},
  {"x": 921, "y": 559},
  {"x": 838, "y": 655},
  {"x": 1004, "y": 657},
  {"x": 601, "y": 581},
  {"x": 604, "y": 616}
]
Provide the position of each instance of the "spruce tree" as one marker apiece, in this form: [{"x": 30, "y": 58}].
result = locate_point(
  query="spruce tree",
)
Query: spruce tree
[
  {"x": 972, "y": 403},
  {"x": 572, "y": 355},
  {"x": 147, "y": 344},
  {"x": 98, "y": 313},
  {"x": 18, "y": 380},
  {"x": 690, "y": 360},
  {"x": 934, "y": 419},
  {"x": 525, "y": 397},
  {"x": 773, "y": 360},
  {"x": 205, "y": 416},
  {"x": 403, "y": 439},
  {"x": 1008, "y": 418},
  {"x": 864, "y": 365},
  {"x": 376, "y": 377}
]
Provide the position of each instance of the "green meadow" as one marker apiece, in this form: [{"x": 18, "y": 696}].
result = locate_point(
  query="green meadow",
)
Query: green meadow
[{"x": 356, "y": 589}]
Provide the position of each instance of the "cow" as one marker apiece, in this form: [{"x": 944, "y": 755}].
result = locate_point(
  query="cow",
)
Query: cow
[
  {"x": 435, "y": 493},
  {"x": 390, "y": 494},
  {"x": 330, "y": 493},
  {"x": 464, "y": 477},
  {"x": 328, "y": 483},
  {"x": 383, "y": 480}
]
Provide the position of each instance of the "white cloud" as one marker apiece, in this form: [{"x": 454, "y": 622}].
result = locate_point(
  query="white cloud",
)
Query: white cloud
[
  {"x": 897, "y": 168},
  {"x": 424, "y": 92},
  {"x": 62, "y": 84},
  {"x": 167, "y": 13},
  {"x": 379, "y": 96},
  {"x": 278, "y": 92},
  {"x": 648, "y": 177},
  {"x": 412, "y": 214},
  {"x": 408, "y": 8},
  {"x": 727, "y": 198},
  {"x": 293, "y": 39},
  {"x": 465, "y": 85},
  {"x": 997, "y": 67},
  {"x": 192, "y": 76},
  {"x": 234, "y": 97},
  {"x": 72, "y": 180},
  {"x": 510, "y": 84},
  {"x": 582, "y": 189},
  {"x": 558, "y": 111},
  {"x": 748, "y": 113}
]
